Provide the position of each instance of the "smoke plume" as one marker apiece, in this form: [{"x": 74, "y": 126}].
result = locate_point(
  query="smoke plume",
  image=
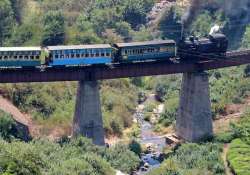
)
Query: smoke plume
[
  {"x": 191, "y": 13},
  {"x": 239, "y": 10}
]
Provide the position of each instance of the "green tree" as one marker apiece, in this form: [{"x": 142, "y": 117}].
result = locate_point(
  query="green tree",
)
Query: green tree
[
  {"x": 6, "y": 20},
  {"x": 246, "y": 38},
  {"x": 21, "y": 34},
  {"x": 54, "y": 29},
  {"x": 161, "y": 91},
  {"x": 7, "y": 127},
  {"x": 134, "y": 13},
  {"x": 124, "y": 29}
]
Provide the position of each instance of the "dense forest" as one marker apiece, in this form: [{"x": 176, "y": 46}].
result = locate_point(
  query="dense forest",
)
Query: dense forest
[{"x": 65, "y": 22}]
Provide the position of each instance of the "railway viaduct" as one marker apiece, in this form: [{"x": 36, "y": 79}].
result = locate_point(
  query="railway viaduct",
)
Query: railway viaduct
[{"x": 194, "y": 118}]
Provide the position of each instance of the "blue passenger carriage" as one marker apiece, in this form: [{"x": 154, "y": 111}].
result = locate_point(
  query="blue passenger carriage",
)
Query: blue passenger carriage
[
  {"x": 149, "y": 50},
  {"x": 79, "y": 55},
  {"x": 20, "y": 56}
]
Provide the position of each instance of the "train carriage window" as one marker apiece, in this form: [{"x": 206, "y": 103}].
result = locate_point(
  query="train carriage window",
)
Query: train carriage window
[
  {"x": 102, "y": 54},
  {"x": 87, "y": 55},
  {"x": 72, "y": 55},
  {"x": 77, "y": 55},
  {"x": 20, "y": 57},
  {"x": 61, "y": 56},
  {"x": 108, "y": 54},
  {"x": 163, "y": 49},
  {"x": 5, "y": 57},
  {"x": 15, "y": 57},
  {"x": 26, "y": 57},
  {"x": 126, "y": 52},
  {"x": 56, "y": 56},
  {"x": 129, "y": 52},
  {"x": 32, "y": 57},
  {"x": 37, "y": 57},
  {"x": 67, "y": 55},
  {"x": 1, "y": 57},
  {"x": 92, "y": 55}
]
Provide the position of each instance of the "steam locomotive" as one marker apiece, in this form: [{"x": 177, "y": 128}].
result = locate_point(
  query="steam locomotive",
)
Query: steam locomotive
[
  {"x": 213, "y": 47},
  {"x": 192, "y": 49}
]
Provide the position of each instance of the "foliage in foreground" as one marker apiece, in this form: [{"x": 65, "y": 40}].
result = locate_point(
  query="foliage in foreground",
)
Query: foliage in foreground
[
  {"x": 193, "y": 159},
  {"x": 239, "y": 157},
  {"x": 9, "y": 128},
  {"x": 239, "y": 151},
  {"x": 78, "y": 156}
]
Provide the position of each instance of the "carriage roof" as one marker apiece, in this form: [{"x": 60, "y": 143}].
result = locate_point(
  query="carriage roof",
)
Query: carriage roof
[
  {"x": 145, "y": 43},
  {"x": 72, "y": 47},
  {"x": 14, "y": 49}
]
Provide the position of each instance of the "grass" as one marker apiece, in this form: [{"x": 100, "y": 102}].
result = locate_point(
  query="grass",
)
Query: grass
[{"x": 239, "y": 157}]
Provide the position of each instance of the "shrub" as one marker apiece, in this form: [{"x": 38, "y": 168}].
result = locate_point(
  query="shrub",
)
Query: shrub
[
  {"x": 225, "y": 137},
  {"x": 239, "y": 157},
  {"x": 150, "y": 106},
  {"x": 9, "y": 129},
  {"x": 135, "y": 147},
  {"x": 78, "y": 156},
  {"x": 142, "y": 97},
  {"x": 242, "y": 128},
  {"x": 193, "y": 159},
  {"x": 161, "y": 91},
  {"x": 121, "y": 158},
  {"x": 170, "y": 113}
]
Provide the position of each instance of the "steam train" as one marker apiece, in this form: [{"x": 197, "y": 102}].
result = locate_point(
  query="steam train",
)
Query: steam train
[{"x": 192, "y": 49}]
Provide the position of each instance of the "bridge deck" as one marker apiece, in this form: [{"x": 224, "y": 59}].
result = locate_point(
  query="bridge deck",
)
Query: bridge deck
[{"x": 119, "y": 71}]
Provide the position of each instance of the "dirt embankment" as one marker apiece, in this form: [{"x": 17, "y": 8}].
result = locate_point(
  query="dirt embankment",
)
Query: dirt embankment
[
  {"x": 23, "y": 120},
  {"x": 30, "y": 127},
  {"x": 233, "y": 113}
]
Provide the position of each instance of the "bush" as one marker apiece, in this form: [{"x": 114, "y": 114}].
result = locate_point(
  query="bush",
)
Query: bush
[
  {"x": 193, "y": 159},
  {"x": 119, "y": 99},
  {"x": 150, "y": 106},
  {"x": 78, "y": 156},
  {"x": 242, "y": 128},
  {"x": 170, "y": 113},
  {"x": 247, "y": 71},
  {"x": 161, "y": 91},
  {"x": 239, "y": 157},
  {"x": 135, "y": 147},
  {"x": 9, "y": 129},
  {"x": 225, "y": 137},
  {"x": 122, "y": 159},
  {"x": 141, "y": 97}
]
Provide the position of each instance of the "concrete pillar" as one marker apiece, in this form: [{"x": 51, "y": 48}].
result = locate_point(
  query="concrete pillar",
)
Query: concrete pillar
[
  {"x": 88, "y": 116},
  {"x": 194, "y": 119}
]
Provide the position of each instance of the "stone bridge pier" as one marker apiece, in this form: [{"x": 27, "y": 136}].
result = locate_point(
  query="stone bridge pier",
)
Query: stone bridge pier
[
  {"x": 194, "y": 119},
  {"x": 88, "y": 116}
]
